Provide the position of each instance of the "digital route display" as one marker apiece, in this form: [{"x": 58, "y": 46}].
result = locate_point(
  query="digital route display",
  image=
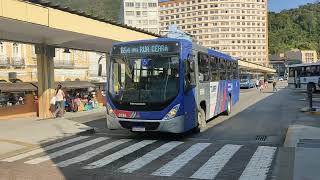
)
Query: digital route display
[{"x": 146, "y": 48}]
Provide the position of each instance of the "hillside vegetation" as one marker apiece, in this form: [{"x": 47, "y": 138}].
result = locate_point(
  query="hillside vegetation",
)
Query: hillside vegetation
[{"x": 296, "y": 28}]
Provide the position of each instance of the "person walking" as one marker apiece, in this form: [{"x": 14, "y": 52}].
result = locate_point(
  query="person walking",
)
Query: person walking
[
  {"x": 59, "y": 102},
  {"x": 257, "y": 83},
  {"x": 261, "y": 85},
  {"x": 274, "y": 85}
]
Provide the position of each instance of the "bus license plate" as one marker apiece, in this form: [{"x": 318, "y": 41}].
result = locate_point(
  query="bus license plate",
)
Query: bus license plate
[{"x": 139, "y": 129}]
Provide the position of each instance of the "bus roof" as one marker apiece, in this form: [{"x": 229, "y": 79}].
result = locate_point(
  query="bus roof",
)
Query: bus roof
[
  {"x": 305, "y": 64},
  {"x": 210, "y": 52}
]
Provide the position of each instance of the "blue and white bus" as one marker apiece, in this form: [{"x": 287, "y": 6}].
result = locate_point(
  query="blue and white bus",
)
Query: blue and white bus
[{"x": 168, "y": 85}]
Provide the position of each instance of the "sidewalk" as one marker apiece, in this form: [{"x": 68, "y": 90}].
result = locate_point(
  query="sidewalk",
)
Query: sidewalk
[
  {"x": 304, "y": 137},
  {"x": 23, "y": 134}
]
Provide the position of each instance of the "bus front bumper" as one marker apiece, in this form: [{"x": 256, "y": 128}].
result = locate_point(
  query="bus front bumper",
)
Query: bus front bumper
[{"x": 174, "y": 125}]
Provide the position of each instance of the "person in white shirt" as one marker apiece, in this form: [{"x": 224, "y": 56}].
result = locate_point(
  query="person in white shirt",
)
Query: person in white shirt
[{"x": 59, "y": 102}]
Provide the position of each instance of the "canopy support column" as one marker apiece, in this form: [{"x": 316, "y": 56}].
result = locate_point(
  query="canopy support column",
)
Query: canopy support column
[{"x": 45, "y": 69}]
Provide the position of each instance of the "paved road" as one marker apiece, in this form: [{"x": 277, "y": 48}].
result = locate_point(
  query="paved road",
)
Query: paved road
[
  {"x": 102, "y": 157},
  {"x": 229, "y": 149}
]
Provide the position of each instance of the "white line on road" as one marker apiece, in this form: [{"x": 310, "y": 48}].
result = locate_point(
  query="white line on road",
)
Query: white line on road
[
  {"x": 115, "y": 156},
  {"x": 46, "y": 148},
  {"x": 214, "y": 165},
  {"x": 92, "y": 153},
  {"x": 259, "y": 164},
  {"x": 173, "y": 166},
  {"x": 65, "y": 151},
  {"x": 147, "y": 158}
]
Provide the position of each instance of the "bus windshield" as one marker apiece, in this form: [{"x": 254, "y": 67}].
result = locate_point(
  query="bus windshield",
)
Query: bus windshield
[{"x": 147, "y": 82}]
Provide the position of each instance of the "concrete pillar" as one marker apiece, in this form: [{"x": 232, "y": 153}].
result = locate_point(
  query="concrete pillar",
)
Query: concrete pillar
[
  {"x": 265, "y": 75},
  {"x": 45, "y": 68}
]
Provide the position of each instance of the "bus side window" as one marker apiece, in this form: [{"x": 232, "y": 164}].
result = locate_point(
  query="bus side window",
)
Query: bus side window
[
  {"x": 235, "y": 70},
  {"x": 203, "y": 63},
  {"x": 229, "y": 70},
  {"x": 214, "y": 66},
  {"x": 222, "y": 69}
]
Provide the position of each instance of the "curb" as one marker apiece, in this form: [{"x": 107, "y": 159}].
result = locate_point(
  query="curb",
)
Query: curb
[{"x": 86, "y": 132}]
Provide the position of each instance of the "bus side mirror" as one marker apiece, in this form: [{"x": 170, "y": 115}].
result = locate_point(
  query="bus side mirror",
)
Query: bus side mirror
[
  {"x": 100, "y": 70},
  {"x": 190, "y": 80}
]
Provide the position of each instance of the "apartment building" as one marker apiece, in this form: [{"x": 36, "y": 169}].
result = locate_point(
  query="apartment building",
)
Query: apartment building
[
  {"x": 236, "y": 27},
  {"x": 19, "y": 61},
  {"x": 142, "y": 14}
]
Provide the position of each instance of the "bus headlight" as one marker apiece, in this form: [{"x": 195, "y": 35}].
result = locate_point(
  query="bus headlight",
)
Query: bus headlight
[
  {"x": 172, "y": 113},
  {"x": 110, "y": 111}
]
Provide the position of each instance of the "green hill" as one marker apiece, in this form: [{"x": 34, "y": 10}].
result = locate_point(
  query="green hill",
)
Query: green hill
[
  {"x": 103, "y": 8},
  {"x": 295, "y": 28}
]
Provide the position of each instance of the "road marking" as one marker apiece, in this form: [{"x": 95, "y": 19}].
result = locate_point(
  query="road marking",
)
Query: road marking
[
  {"x": 92, "y": 153},
  {"x": 214, "y": 165},
  {"x": 46, "y": 148},
  {"x": 115, "y": 156},
  {"x": 259, "y": 164},
  {"x": 147, "y": 158},
  {"x": 65, "y": 151},
  {"x": 173, "y": 166}
]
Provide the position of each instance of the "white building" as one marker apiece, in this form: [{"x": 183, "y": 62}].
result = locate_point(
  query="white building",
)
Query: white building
[
  {"x": 142, "y": 14},
  {"x": 236, "y": 27}
]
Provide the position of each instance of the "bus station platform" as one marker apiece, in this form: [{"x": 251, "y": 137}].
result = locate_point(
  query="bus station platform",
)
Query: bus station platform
[{"x": 24, "y": 134}]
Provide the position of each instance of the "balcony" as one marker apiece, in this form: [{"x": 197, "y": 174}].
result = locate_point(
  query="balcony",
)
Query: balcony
[
  {"x": 4, "y": 61},
  {"x": 63, "y": 64},
  {"x": 18, "y": 62}
]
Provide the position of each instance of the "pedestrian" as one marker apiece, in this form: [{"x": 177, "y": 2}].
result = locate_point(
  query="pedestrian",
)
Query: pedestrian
[
  {"x": 59, "y": 102},
  {"x": 274, "y": 85},
  {"x": 265, "y": 84},
  {"x": 257, "y": 83},
  {"x": 261, "y": 85}
]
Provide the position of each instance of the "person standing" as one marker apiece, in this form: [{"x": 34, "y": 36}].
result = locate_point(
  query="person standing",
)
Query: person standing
[
  {"x": 59, "y": 102},
  {"x": 274, "y": 85}
]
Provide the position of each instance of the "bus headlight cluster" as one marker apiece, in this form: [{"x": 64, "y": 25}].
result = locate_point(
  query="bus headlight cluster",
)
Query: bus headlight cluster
[
  {"x": 172, "y": 113},
  {"x": 110, "y": 111}
]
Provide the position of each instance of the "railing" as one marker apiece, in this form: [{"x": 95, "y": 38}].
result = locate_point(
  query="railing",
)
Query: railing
[
  {"x": 4, "y": 61},
  {"x": 18, "y": 62}
]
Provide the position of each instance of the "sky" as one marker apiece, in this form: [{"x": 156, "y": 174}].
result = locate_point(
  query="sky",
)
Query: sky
[{"x": 278, "y": 5}]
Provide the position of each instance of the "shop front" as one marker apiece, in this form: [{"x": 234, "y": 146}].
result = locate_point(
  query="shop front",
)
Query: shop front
[{"x": 18, "y": 100}]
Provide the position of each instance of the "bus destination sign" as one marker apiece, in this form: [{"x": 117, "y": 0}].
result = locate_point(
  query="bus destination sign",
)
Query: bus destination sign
[{"x": 143, "y": 48}]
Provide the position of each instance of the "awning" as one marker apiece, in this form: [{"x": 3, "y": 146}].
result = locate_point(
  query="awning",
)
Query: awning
[
  {"x": 71, "y": 84},
  {"x": 75, "y": 84},
  {"x": 17, "y": 87}
]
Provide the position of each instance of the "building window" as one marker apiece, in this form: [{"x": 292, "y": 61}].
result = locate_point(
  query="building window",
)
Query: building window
[
  {"x": 129, "y": 4},
  {"x": 16, "y": 50}
]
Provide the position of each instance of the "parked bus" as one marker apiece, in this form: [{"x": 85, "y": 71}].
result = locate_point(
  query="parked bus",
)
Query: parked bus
[
  {"x": 300, "y": 75},
  {"x": 247, "y": 80},
  {"x": 168, "y": 85}
]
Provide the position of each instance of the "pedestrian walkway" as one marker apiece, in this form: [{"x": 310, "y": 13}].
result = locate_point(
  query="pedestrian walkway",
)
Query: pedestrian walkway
[
  {"x": 18, "y": 135},
  {"x": 197, "y": 160}
]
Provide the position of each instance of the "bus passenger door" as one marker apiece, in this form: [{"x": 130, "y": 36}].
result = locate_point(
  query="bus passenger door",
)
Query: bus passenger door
[{"x": 190, "y": 112}]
